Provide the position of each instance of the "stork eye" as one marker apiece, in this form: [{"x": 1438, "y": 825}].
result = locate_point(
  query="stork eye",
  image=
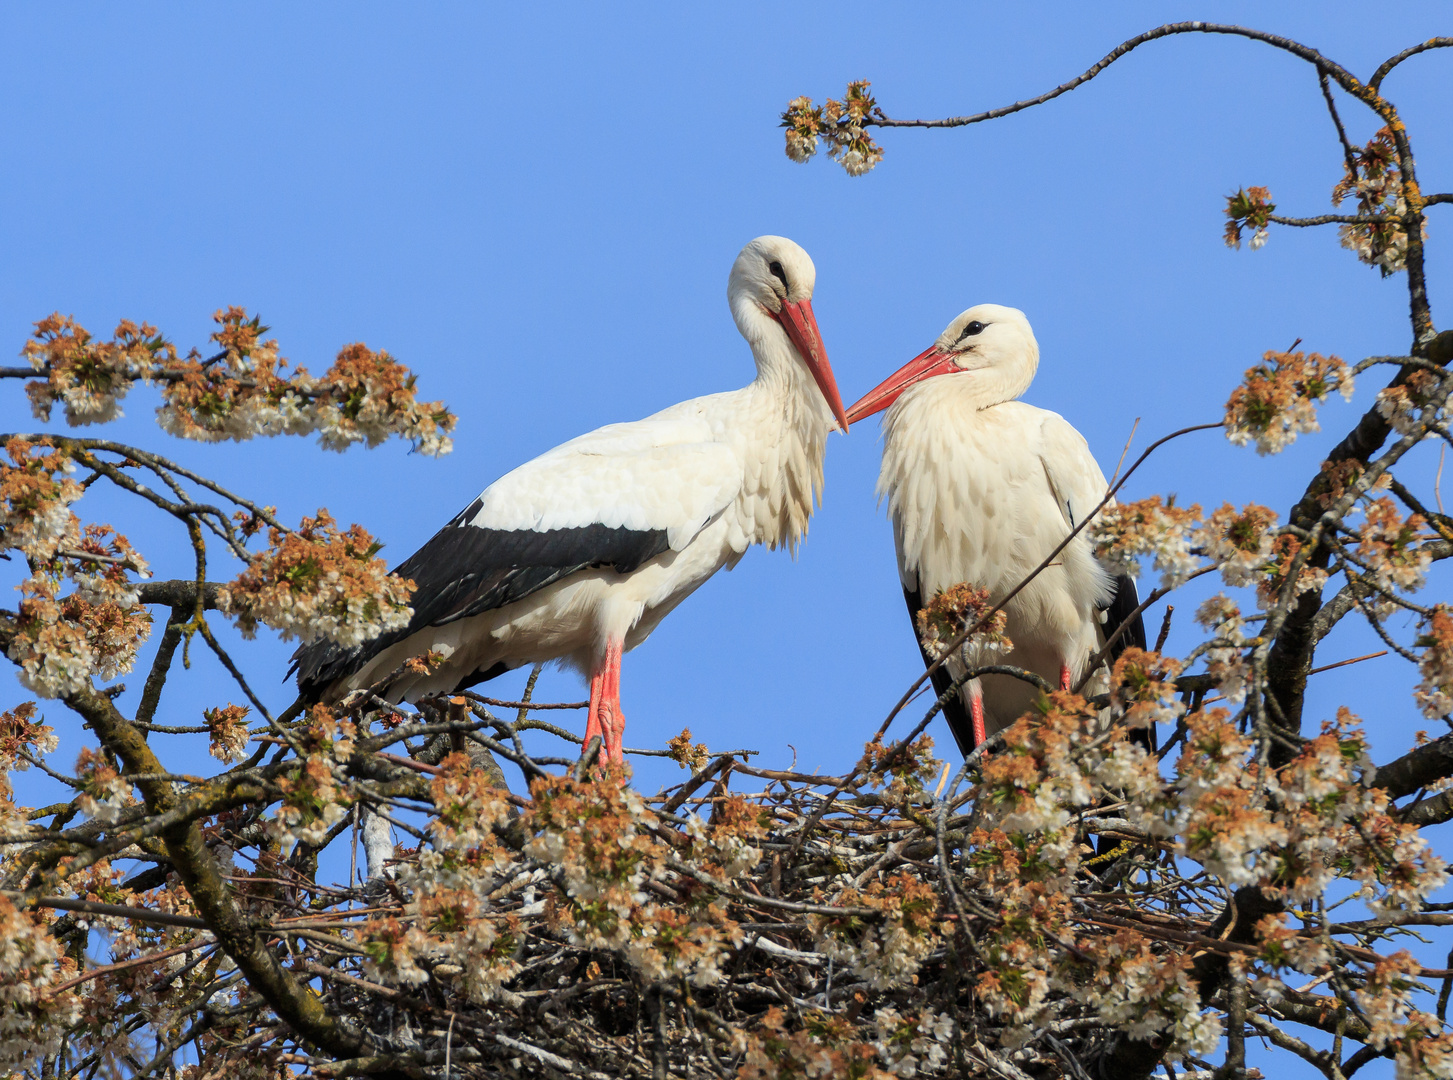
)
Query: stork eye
[
  {"x": 975, "y": 327},
  {"x": 778, "y": 272}
]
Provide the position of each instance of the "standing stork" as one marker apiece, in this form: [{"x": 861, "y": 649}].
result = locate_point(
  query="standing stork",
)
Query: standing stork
[
  {"x": 577, "y": 555},
  {"x": 981, "y": 488}
]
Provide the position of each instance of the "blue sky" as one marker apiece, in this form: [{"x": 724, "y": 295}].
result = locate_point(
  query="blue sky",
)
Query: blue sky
[{"x": 536, "y": 210}]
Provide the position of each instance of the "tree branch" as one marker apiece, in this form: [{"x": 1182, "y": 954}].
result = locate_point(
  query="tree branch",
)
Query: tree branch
[
  {"x": 1344, "y": 78},
  {"x": 1393, "y": 61},
  {"x": 293, "y": 1002}
]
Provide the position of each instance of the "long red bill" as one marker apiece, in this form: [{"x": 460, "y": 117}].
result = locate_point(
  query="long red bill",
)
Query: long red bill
[
  {"x": 925, "y": 365},
  {"x": 801, "y": 326}
]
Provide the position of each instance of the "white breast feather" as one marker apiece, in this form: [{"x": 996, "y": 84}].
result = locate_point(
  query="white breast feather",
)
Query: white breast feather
[{"x": 976, "y": 496}]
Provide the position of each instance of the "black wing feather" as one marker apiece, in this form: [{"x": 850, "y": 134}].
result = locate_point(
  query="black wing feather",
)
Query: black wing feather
[
  {"x": 466, "y": 570},
  {"x": 1122, "y": 609},
  {"x": 959, "y": 721}
]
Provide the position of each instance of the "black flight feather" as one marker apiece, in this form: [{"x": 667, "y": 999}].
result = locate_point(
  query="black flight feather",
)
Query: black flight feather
[
  {"x": 465, "y": 570},
  {"x": 959, "y": 721}
]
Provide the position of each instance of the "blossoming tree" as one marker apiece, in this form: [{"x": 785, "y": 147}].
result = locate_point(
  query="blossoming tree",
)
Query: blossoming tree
[{"x": 1064, "y": 903}]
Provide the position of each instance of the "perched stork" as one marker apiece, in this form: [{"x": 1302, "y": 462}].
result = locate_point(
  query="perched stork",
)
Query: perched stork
[
  {"x": 981, "y": 488},
  {"x": 577, "y": 555}
]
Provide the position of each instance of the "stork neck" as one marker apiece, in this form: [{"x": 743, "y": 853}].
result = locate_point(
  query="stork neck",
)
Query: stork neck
[
  {"x": 780, "y": 369},
  {"x": 975, "y": 389},
  {"x": 781, "y": 433}
]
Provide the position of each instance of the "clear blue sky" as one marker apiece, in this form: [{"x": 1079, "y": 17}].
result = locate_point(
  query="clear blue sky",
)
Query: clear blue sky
[{"x": 536, "y": 210}]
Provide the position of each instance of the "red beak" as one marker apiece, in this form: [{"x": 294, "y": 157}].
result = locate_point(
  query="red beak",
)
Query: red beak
[
  {"x": 925, "y": 365},
  {"x": 801, "y": 326}
]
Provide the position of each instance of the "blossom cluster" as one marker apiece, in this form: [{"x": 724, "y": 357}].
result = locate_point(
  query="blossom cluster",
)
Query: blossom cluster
[
  {"x": 317, "y": 581},
  {"x": 453, "y": 883},
  {"x": 887, "y": 949},
  {"x": 597, "y": 850},
  {"x": 1290, "y": 832},
  {"x": 603, "y": 840},
  {"x": 1394, "y": 1022},
  {"x": 34, "y": 1018},
  {"x": 313, "y": 800},
  {"x": 1239, "y": 542},
  {"x": 21, "y": 739},
  {"x": 1374, "y": 179},
  {"x": 104, "y": 794},
  {"x": 228, "y": 731},
  {"x": 36, "y": 492},
  {"x": 1154, "y": 528},
  {"x": 63, "y": 639},
  {"x": 1286, "y": 560},
  {"x": 1142, "y": 688},
  {"x": 1277, "y": 400},
  {"x": 901, "y": 770},
  {"x": 1407, "y": 403},
  {"x": 241, "y": 392},
  {"x": 160, "y": 968},
  {"x": 821, "y": 1045},
  {"x": 961, "y": 608},
  {"x": 1434, "y": 692},
  {"x": 1225, "y": 651},
  {"x": 1249, "y": 208},
  {"x": 1026, "y": 861},
  {"x": 827, "y": 1045},
  {"x": 1390, "y": 552},
  {"x": 689, "y": 755},
  {"x": 841, "y": 123}
]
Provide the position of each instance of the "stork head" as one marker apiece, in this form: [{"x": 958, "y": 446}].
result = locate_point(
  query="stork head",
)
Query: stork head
[
  {"x": 990, "y": 344},
  {"x": 770, "y": 292}
]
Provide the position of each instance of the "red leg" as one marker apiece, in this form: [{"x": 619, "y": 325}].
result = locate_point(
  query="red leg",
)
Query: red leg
[
  {"x": 613, "y": 701},
  {"x": 1064, "y": 677},
  {"x": 976, "y": 713},
  {"x": 606, "y": 719},
  {"x": 592, "y": 722}
]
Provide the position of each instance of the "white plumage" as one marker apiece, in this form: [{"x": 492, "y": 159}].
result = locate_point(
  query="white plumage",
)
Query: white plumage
[
  {"x": 980, "y": 489},
  {"x": 670, "y": 466},
  {"x": 577, "y": 555}
]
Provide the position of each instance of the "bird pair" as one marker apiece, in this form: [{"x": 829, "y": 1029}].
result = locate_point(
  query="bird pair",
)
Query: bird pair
[{"x": 577, "y": 555}]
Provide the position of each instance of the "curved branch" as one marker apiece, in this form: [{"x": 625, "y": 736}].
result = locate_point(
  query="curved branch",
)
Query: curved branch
[
  {"x": 1417, "y": 768},
  {"x": 1433, "y": 811},
  {"x": 1344, "y": 78},
  {"x": 1393, "y": 61}
]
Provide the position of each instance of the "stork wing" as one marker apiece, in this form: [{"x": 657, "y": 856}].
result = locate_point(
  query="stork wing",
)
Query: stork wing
[
  {"x": 1079, "y": 485},
  {"x": 615, "y": 497},
  {"x": 1074, "y": 475},
  {"x": 655, "y": 475}
]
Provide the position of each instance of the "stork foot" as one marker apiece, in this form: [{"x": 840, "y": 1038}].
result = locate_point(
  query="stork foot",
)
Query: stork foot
[
  {"x": 1064, "y": 677},
  {"x": 612, "y": 725}
]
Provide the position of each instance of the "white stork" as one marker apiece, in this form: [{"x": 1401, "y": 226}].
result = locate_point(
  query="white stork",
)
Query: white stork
[
  {"x": 577, "y": 555},
  {"x": 981, "y": 488}
]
